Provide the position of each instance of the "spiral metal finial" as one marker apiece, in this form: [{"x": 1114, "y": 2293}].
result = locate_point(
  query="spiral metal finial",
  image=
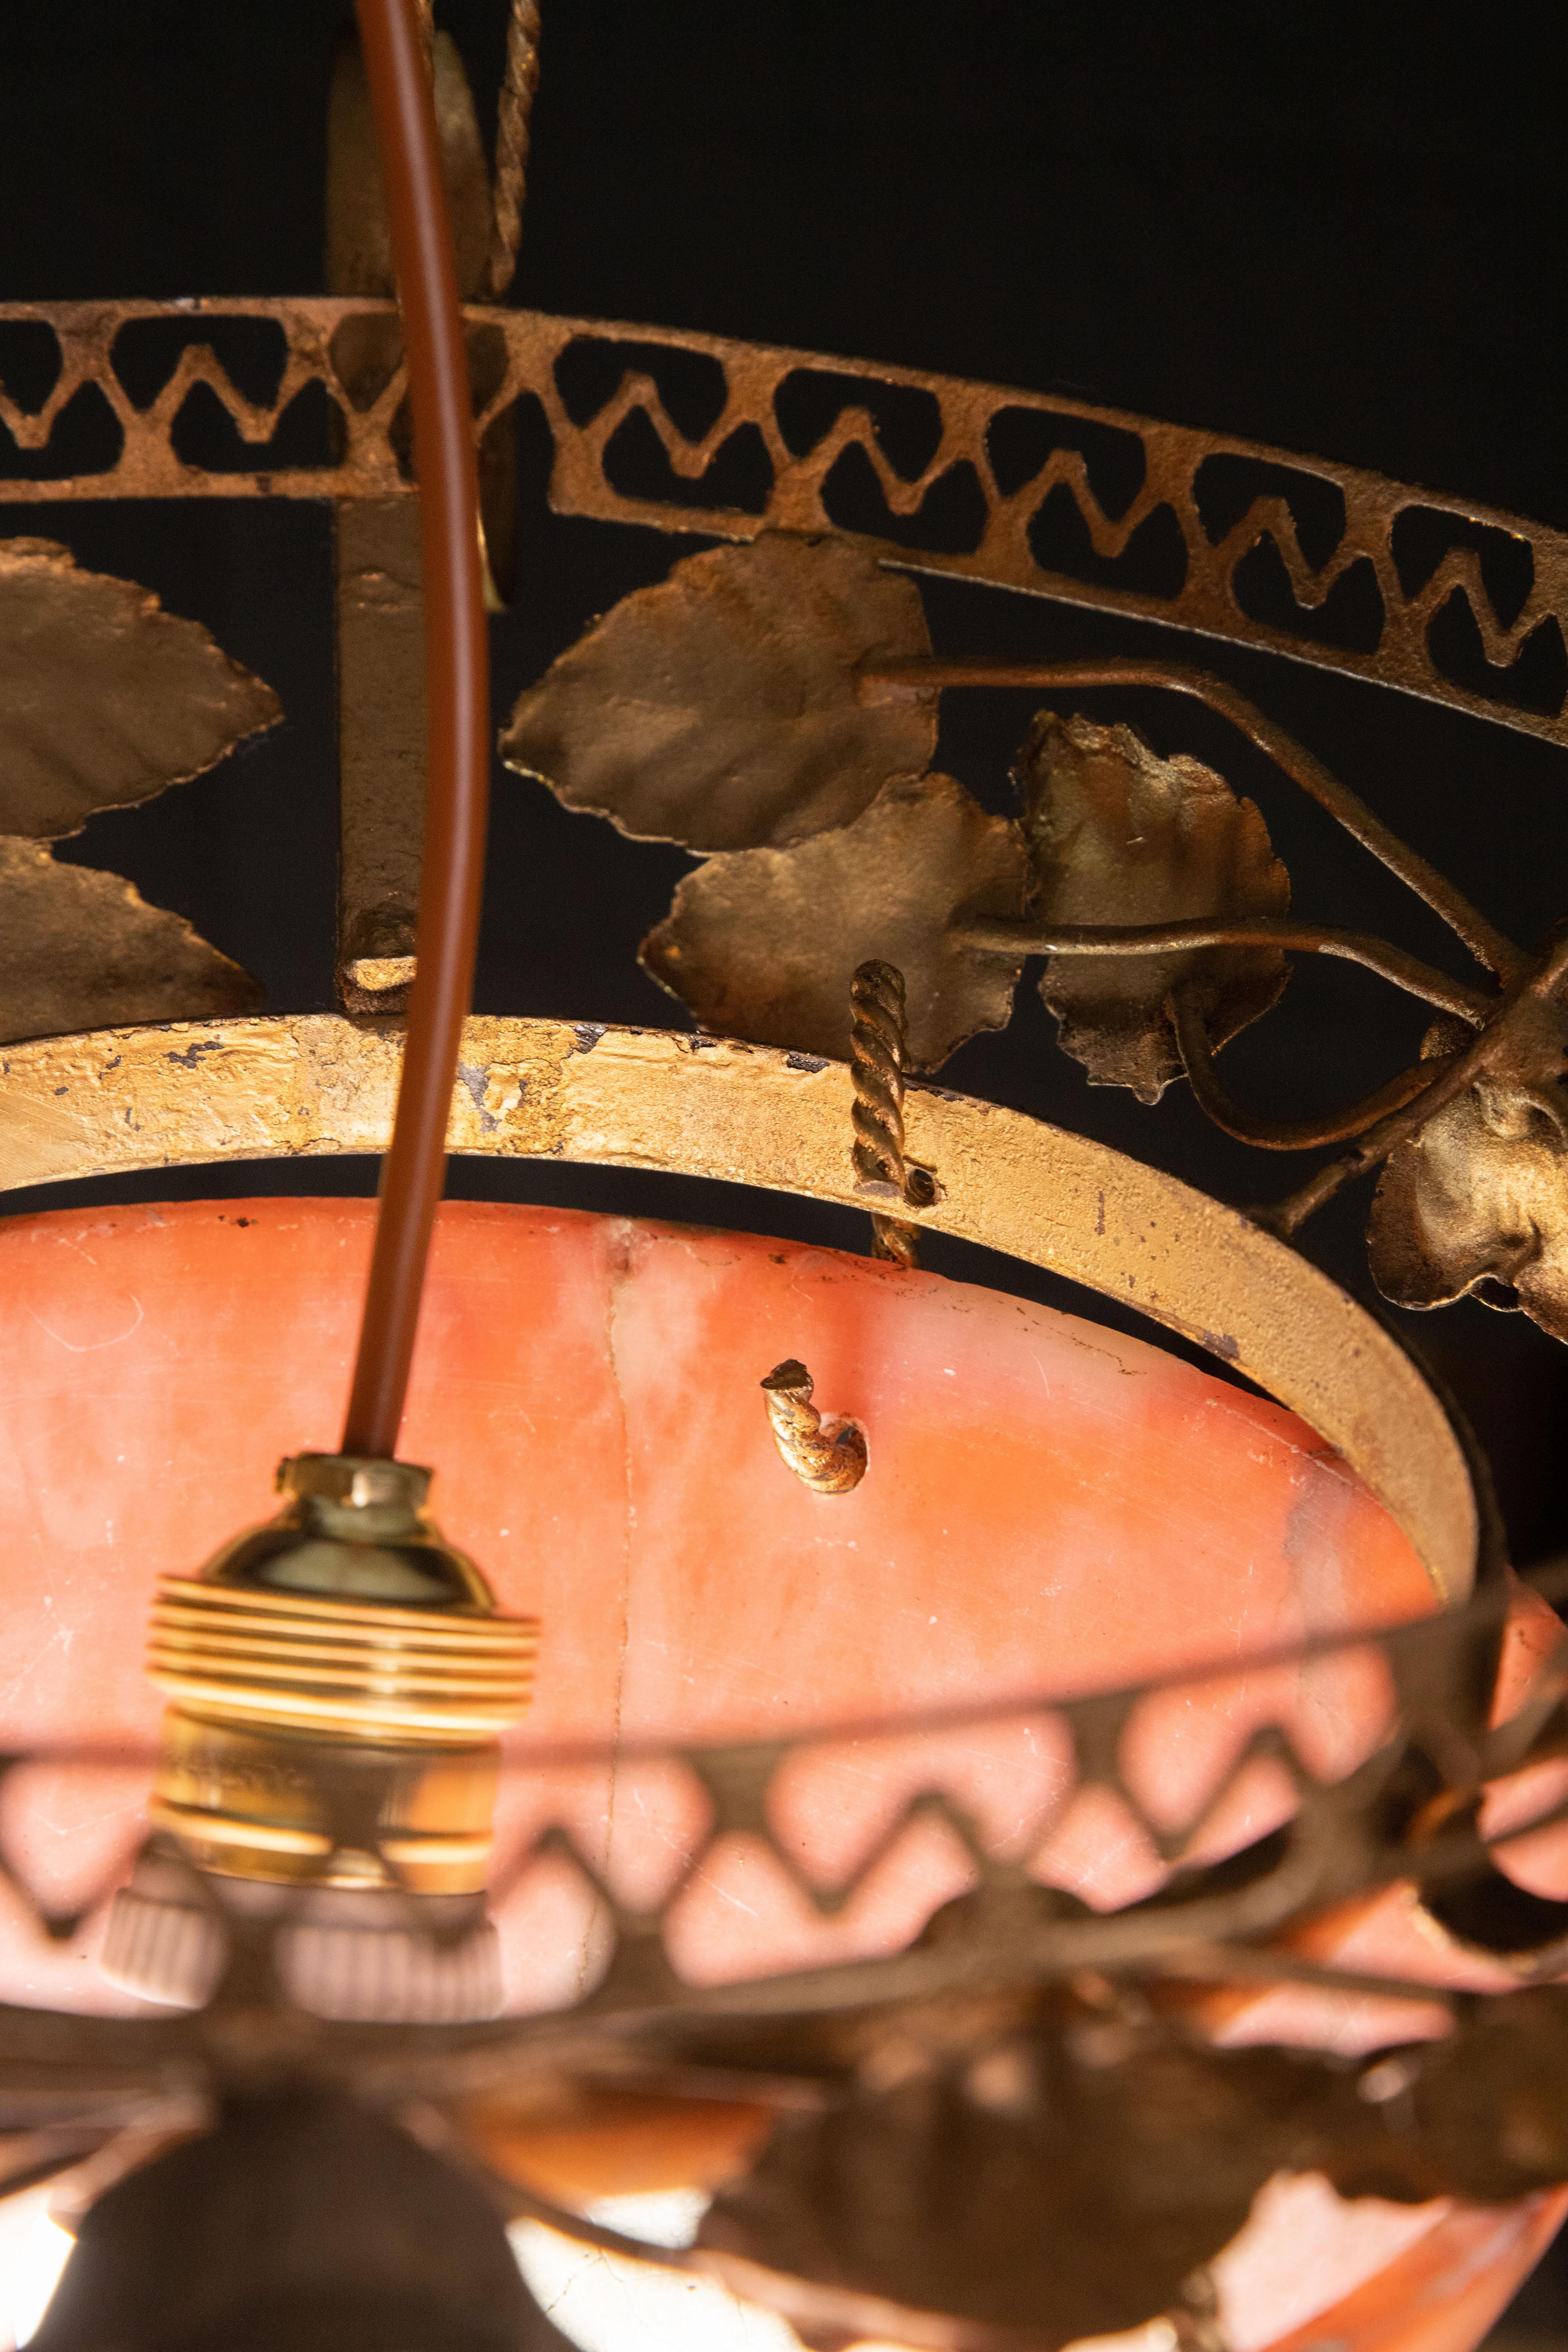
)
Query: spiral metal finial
[
  {"x": 827, "y": 1456},
  {"x": 878, "y": 1057}
]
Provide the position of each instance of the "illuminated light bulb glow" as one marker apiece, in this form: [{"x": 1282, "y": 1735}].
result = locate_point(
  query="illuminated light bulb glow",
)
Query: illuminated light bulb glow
[
  {"x": 606, "y": 2303},
  {"x": 34, "y": 2251}
]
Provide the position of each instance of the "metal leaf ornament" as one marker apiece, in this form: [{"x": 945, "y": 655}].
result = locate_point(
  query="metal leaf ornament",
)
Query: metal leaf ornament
[
  {"x": 1117, "y": 835},
  {"x": 106, "y": 700},
  {"x": 719, "y": 709},
  {"x": 1060, "y": 2181},
  {"x": 1478, "y": 1200},
  {"x": 83, "y": 949},
  {"x": 762, "y": 945}
]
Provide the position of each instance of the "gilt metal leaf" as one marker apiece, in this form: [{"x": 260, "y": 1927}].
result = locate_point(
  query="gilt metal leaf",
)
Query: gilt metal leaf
[
  {"x": 1478, "y": 1200},
  {"x": 762, "y": 944},
  {"x": 106, "y": 698},
  {"x": 1062, "y": 2184},
  {"x": 83, "y": 949},
  {"x": 719, "y": 709},
  {"x": 1118, "y": 834}
]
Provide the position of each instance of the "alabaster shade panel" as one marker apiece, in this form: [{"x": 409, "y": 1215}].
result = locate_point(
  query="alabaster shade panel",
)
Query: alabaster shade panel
[{"x": 1049, "y": 1506}]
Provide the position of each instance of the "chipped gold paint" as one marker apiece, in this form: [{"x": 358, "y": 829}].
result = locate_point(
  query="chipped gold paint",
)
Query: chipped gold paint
[{"x": 293, "y": 1086}]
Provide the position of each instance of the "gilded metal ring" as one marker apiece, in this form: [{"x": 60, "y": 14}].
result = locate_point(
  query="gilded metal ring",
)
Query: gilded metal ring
[{"x": 296, "y": 1085}]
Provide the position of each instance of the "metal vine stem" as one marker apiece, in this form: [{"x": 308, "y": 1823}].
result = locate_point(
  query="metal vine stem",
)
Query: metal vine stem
[
  {"x": 1396, "y": 1111},
  {"x": 1391, "y": 963},
  {"x": 1216, "y": 1099},
  {"x": 1286, "y": 1216},
  {"x": 1485, "y": 941}
]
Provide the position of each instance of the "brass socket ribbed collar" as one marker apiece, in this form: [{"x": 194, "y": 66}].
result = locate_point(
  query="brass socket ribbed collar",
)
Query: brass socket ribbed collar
[
  {"x": 308, "y": 1665},
  {"x": 346, "y": 1615}
]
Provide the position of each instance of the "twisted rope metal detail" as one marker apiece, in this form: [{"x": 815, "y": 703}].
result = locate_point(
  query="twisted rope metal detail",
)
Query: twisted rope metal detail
[
  {"x": 827, "y": 1456},
  {"x": 878, "y": 1058},
  {"x": 518, "y": 86}
]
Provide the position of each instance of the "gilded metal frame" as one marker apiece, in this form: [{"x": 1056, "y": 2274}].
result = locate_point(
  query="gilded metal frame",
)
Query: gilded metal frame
[{"x": 1386, "y": 532}]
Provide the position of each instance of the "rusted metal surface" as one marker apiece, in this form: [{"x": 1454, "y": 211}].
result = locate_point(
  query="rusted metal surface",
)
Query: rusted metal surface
[
  {"x": 1122, "y": 490},
  {"x": 642, "y": 1098},
  {"x": 829, "y": 1456},
  {"x": 304, "y": 331},
  {"x": 1010, "y": 2134}
]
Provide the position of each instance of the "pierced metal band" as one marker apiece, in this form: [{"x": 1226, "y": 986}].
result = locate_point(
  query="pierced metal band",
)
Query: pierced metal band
[{"x": 1034, "y": 491}]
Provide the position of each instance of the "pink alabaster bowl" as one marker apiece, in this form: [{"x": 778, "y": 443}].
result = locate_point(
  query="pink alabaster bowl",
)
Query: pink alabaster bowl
[{"x": 1048, "y": 1509}]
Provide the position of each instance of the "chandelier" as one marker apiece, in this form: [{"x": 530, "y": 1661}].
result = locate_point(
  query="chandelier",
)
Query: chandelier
[{"x": 1012, "y": 1836}]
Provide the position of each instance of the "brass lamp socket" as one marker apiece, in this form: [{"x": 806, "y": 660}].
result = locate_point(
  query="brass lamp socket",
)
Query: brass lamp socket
[
  {"x": 370, "y": 1956},
  {"x": 338, "y": 1678}
]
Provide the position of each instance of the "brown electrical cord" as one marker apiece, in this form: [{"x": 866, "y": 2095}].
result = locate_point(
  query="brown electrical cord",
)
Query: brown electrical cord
[{"x": 456, "y": 672}]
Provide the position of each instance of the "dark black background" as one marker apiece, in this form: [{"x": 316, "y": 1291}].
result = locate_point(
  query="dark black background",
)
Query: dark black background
[
  {"x": 1333, "y": 227},
  {"x": 1337, "y": 228}
]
